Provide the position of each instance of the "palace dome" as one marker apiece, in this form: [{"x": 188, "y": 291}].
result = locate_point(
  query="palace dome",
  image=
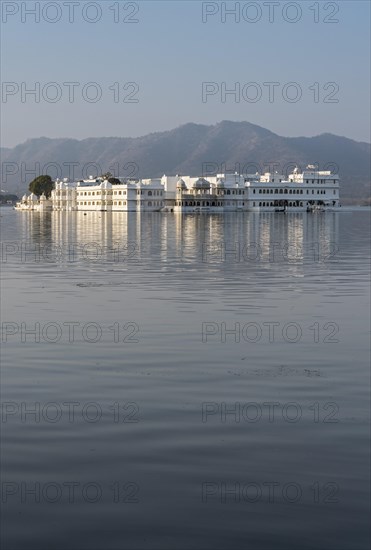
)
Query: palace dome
[
  {"x": 201, "y": 183},
  {"x": 181, "y": 184}
]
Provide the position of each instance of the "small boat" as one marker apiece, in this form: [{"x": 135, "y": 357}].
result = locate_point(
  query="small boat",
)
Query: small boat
[{"x": 200, "y": 209}]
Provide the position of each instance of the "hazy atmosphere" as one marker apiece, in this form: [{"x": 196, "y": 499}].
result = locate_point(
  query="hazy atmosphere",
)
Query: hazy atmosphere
[
  {"x": 131, "y": 68},
  {"x": 185, "y": 214}
]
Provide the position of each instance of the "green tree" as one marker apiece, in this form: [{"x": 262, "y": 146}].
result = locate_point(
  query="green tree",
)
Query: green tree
[
  {"x": 106, "y": 176},
  {"x": 109, "y": 177},
  {"x": 114, "y": 181},
  {"x": 40, "y": 185}
]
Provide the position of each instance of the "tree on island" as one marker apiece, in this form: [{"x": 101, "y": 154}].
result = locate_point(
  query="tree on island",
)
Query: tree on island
[
  {"x": 42, "y": 185},
  {"x": 109, "y": 177}
]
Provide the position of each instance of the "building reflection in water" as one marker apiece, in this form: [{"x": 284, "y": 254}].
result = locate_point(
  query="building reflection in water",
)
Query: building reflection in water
[{"x": 216, "y": 238}]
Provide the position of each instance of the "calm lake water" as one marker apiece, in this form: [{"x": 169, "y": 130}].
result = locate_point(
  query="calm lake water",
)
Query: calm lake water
[{"x": 189, "y": 382}]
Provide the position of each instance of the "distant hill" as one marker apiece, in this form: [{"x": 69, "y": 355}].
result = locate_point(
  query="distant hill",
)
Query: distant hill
[
  {"x": 6, "y": 198},
  {"x": 186, "y": 150}
]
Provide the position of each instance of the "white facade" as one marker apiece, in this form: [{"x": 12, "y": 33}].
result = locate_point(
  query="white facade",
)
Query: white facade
[
  {"x": 309, "y": 190},
  {"x": 32, "y": 203},
  {"x": 99, "y": 194}
]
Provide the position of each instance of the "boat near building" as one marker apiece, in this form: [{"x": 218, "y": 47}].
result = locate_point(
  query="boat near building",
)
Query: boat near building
[{"x": 310, "y": 191}]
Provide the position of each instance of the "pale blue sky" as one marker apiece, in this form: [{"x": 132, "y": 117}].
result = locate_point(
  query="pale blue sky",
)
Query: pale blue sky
[{"x": 170, "y": 52}]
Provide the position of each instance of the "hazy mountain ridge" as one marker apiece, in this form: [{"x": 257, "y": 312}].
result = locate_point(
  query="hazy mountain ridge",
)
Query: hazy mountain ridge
[{"x": 186, "y": 149}]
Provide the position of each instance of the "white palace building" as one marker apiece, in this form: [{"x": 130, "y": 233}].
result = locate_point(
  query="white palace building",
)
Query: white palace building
[{"x": 310, "y": 190}]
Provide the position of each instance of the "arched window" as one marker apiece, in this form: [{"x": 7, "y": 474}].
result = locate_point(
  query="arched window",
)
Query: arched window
[{"x": 150, "y": 193}]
